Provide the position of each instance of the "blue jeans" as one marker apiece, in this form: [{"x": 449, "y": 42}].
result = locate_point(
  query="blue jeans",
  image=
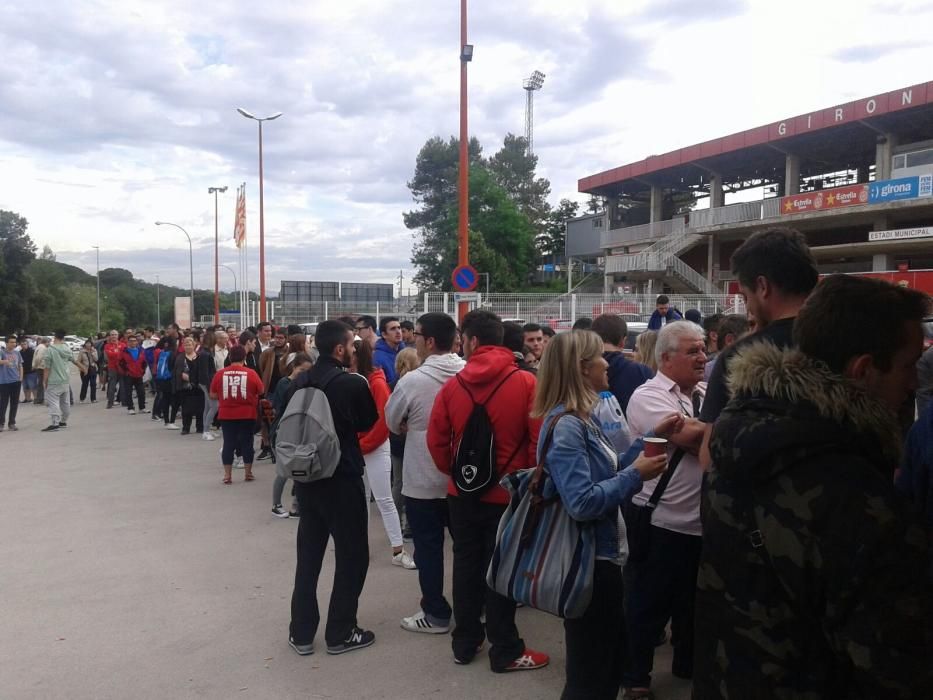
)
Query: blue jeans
[{"x": 427, "y": 519}]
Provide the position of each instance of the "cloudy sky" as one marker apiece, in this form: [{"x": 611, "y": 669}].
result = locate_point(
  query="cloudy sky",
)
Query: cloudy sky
[{"x": 118, "y": 113}]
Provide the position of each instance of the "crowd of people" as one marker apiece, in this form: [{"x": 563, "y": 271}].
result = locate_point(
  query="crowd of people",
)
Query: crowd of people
[{"x": 779, "y": 542}]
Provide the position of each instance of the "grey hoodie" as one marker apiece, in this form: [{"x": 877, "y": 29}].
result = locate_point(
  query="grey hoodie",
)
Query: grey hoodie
[{"x": 412, "y": 401}]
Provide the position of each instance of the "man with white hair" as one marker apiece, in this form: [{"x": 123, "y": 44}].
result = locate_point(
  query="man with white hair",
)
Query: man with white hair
[{"x": 662, "y": 584}]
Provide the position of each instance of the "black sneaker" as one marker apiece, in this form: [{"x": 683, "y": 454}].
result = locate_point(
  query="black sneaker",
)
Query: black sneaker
[
  {"x": 49, "y": 428},
  {"x": 294, "y": 514},
  {"x": 358, "y": 639},
  {"x": 264, "y": 453},
  {"x": 301, "y": 649},
  {"x": 63, "y": 424}
]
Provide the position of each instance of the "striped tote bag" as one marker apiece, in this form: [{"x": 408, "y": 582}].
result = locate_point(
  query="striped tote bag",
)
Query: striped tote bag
[{"x": 543, "y": 558}]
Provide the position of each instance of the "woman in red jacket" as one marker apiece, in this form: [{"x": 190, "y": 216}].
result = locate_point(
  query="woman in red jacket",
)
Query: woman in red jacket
[
  {"x": 375, "y": 447},
  {"x": 237, "y": 389}
]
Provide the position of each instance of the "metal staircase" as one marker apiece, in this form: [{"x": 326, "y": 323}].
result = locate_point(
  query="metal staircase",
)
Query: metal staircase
[{"x": 662, "y": 256}]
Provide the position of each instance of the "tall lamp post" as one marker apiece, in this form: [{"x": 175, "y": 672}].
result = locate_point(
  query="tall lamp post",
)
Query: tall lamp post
[
  {"x": 214, "y": 191},
  {"x": 190, "y": 260},
  {"x": 97, "y": 248},
  {"x": 466, "y": 55},
  {"x": 236, "y": 287},
  {"x": 262, "y": 225}
]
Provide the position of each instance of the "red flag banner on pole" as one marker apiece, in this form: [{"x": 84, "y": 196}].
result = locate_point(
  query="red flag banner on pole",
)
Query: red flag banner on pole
[{"x": 239, "y": 229}]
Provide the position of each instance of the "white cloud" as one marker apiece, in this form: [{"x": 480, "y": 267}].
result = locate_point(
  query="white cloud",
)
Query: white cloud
[{"x": 116, "y": 114}]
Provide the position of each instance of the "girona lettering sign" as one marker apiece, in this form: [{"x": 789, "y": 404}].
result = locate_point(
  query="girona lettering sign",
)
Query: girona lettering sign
[{"x": 861, "y": 109}]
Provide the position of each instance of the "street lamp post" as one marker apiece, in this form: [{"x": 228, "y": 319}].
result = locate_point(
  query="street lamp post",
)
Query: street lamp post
[
  {"x": 466, "y": 55},
  {"x": 190, "y": 260},
  {"x": 214, "y": 191},
  {"x": 97, "y": 248},
  {"x": 236, "y": 287},
  {"x": 262, "y": 225}
]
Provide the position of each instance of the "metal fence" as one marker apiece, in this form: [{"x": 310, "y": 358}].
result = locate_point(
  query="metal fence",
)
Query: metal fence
[
  {"x": 557, "y": 310},
  {"x": 562, "y": 310}
]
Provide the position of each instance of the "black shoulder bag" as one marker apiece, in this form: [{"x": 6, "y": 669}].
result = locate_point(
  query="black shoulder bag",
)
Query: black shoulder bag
[{"x": 638, "y": 518}]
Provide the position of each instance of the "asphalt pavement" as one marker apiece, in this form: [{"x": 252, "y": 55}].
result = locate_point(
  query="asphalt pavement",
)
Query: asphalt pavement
[{"x": 128, "y": 570}]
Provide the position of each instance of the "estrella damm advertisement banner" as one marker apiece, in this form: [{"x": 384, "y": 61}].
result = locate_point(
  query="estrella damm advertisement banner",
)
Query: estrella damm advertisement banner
[{"x": 818, "y": 200}]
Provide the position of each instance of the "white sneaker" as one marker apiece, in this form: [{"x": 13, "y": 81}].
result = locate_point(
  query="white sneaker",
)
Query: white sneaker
[
  {"x": 207, "y": 436},
  {"x": 238, "y": 463},
  {"x": 420, "y": 623},
  {"x": 171, "y": 426},
  {"x": 404, "y": 560},
  {"x": 132, "y": 412}
]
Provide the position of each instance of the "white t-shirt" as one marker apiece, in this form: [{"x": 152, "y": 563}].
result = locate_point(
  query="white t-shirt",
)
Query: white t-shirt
[{"x": 679, "y": 507}]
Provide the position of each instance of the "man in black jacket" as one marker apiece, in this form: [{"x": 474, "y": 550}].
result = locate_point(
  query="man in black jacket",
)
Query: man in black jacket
[{"x": 334, "y": 507}]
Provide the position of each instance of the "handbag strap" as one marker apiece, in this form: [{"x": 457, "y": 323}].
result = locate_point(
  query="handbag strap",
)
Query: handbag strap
[
  {"x": 665, "y": 480},
  {"x": 535, "y": 482}
]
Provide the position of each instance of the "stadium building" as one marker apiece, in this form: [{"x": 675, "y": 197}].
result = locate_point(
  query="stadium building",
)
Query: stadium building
[{"x": 856, "y": 178}]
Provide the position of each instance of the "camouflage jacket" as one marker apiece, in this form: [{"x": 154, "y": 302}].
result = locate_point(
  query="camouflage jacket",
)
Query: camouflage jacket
[{"x": 811, "y": 582}]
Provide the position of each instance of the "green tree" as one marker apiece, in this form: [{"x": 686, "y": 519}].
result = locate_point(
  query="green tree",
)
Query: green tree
[
  {"x": 501, "y": 238},
  {"x": 434, "y": 189},
  {"x": 553, "y": 239},
  {"x": 47, "y": 253},
  {"x": 18, "y": 251},
  {"x": 513, "y": 169}
]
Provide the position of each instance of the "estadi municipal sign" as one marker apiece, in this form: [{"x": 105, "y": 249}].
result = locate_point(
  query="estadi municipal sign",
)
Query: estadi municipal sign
[{"x": 901, "y": 234}]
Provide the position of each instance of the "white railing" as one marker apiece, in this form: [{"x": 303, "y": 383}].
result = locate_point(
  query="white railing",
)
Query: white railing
[
  {"x": 691, "y": 276},
  {"x": 560, "y": 311},
  {"x": 771, "y": 208},
  {"x": 731, "y": 214},
  {"x": 643, "y": 232}
]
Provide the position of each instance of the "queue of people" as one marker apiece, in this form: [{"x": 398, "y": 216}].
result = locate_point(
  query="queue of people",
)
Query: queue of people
[{"x": 750, "y": 499}]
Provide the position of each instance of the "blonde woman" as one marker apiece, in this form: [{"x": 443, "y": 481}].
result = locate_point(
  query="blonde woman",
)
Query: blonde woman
[
  {"x": 592, "y": 481},
  {"x": 406, "y": 361},
  {"x": 644, "y": 349}
]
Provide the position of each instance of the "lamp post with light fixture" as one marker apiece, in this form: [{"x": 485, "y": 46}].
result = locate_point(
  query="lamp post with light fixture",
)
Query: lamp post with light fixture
[
  {"x": 214, "y": 191},
  {"x": 463, "y": 227},
  {"x": 262, "y": 228},
  {"x": 190, "y": 260},
  {"x": 97, "y": 248}
]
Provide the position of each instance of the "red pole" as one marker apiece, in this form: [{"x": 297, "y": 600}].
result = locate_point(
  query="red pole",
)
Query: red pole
[
  {"x": 216, "y": 266},
  {"x": 262, "y": 240},
  {"x": 463, "y": 257}
]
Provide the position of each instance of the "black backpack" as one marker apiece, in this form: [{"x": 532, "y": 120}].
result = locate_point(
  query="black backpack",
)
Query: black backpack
[{"x": 474, "y": 469}]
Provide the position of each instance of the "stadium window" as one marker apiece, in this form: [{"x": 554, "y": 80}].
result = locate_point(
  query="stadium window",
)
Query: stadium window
[{"x": 919, "y": 158}]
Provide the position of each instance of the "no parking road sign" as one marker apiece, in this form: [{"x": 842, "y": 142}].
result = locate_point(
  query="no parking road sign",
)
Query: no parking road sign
[{"x": 465, "y": 278}]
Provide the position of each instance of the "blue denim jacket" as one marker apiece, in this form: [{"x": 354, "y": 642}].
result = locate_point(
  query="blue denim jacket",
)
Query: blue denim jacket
[{"x": 586, "y": 478}]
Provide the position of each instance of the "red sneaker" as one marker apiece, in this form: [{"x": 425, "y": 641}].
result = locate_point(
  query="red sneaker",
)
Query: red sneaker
[{"x": 528, "y": 661}]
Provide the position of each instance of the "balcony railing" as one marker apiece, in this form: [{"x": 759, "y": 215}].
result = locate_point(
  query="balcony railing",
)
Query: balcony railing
[
  {"x": 731, "y": 214},
  {"x": 639, "y": 234}
]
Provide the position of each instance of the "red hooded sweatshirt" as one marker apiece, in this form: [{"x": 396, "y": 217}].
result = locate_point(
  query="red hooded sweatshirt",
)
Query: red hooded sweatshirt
[
  {"x": 509, "y": 412},
  {"x": 379, "y": 433}
]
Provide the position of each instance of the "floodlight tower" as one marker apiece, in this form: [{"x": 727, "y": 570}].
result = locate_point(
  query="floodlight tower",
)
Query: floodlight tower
[{"x": 535, "y": 82}]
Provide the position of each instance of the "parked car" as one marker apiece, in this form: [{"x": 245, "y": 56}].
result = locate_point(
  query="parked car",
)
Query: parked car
[
  {"x": 635, "y": 329},
  {"x": 309, "y": 329},
  {"x": 74, "y": 342}
]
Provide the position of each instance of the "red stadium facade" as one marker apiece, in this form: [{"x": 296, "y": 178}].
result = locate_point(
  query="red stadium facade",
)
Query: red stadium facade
[{"x": 856, "y": 178}]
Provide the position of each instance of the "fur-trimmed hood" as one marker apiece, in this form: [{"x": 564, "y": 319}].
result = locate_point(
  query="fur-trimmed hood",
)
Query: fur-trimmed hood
[{"x": 788, "y": 404}]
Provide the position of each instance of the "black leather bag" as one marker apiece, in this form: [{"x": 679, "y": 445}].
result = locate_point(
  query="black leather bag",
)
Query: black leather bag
[{"x": 638, "y": 518}]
